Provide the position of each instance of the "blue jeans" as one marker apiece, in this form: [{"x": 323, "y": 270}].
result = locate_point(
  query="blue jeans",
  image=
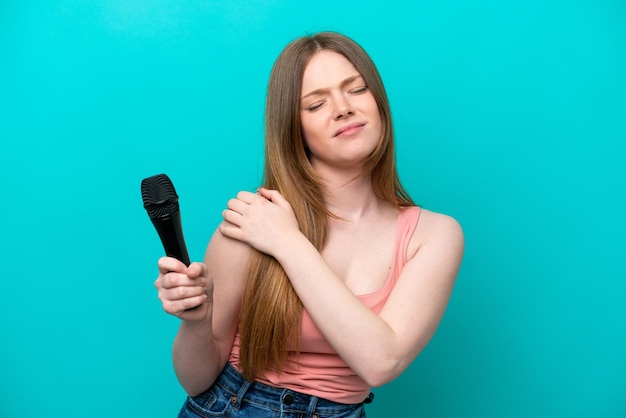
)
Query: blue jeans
[{"x": 233, "y": 396}]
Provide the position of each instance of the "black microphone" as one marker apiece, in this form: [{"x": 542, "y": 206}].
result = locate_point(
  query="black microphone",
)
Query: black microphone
[{"x": 161, "y": 202}]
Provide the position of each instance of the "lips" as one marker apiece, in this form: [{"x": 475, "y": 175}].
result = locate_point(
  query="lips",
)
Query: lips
[{"x": 349, "y": 129}]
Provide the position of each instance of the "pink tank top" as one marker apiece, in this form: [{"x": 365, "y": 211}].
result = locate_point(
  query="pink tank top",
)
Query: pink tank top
[{"x": 319, "y": 370}]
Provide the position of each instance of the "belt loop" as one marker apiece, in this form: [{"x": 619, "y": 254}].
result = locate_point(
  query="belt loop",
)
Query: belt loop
[
  {"x": 312, "y": 406},
  {"x": 236, "y": 400}
]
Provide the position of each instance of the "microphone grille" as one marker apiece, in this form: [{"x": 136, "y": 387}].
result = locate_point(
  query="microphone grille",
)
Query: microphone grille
[{"x": 159, "y": 196}]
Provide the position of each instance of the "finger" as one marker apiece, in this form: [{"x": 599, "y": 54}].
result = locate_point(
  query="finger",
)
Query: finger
[
  {"x": 230, "y": 230},
  {"x": 171, "y": 264},
  {"x": 232, "y": 218},
  {"x": 178, "y": 307},
  {"x": 174, "y": 300},
  {"x": 274, "y": 196},
  {"x": 173, "y": 280},
  {"x": 197, "y": 269},
  {"x": 192, "y": 303},
  {"x": 181, "y": 292},
  {"x": 268, "y": 193},
  {"x": 237, "y": 205},
  {"x": 247, "y": 197}
]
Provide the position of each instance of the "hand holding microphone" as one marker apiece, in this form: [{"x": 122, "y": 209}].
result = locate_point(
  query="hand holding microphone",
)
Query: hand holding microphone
[
  {"x": 183, "y": 291},
  {"x": 182, "y": 286}
]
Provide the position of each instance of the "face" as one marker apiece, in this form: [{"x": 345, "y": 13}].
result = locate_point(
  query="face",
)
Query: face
[{"x": 340, "y": 119}]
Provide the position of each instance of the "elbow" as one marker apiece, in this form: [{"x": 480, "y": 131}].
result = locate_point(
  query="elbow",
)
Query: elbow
[
  {"x": 191, "y": 392},
  {"x": 383, "y": 372},
  {"x": 384, "y": 368},
  {"x": 194, "y": 388},
  {"x": 375, "y": 381}
]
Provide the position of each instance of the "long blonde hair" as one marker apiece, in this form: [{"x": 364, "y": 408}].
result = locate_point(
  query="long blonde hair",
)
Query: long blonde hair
[{"x": 269, "y": 324}]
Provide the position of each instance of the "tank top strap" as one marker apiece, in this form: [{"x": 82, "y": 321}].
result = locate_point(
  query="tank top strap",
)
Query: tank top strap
[{"x": 407, "y": 222}]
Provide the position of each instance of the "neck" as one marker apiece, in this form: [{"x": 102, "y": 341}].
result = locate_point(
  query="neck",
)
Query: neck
[{"x": 348, "y": 197}]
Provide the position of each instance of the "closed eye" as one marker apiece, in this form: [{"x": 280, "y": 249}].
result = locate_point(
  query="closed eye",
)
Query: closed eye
[
  {"x": 315, "y": 106},
  {"x": 358, "y": 90}
]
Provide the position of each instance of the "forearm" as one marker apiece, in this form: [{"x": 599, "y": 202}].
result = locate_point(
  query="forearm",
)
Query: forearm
[
  {"x": 197, "y": 357},
  {"x": 364, "y": 340}
]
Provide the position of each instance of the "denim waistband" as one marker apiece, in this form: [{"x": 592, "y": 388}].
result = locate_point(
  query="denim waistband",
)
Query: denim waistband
[{"x": 279, "y": 399}]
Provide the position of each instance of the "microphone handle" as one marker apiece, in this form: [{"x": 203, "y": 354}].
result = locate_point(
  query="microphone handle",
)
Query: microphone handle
[{"x": 170, "y": 231}]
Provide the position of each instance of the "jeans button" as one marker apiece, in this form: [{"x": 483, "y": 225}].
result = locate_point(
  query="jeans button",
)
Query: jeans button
[{"x": 288, "y": 399}]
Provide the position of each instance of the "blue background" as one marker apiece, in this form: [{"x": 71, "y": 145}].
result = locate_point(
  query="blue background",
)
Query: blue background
[{"x": 510, "y": 116}]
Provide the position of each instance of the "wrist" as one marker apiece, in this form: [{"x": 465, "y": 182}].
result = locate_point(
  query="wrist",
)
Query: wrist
[
  {"x": 198, "y": 328},
  {"x": 291, "y": 248}
]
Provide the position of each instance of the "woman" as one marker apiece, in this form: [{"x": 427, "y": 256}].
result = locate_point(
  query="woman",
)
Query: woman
[{"x": 328, "y": 280}]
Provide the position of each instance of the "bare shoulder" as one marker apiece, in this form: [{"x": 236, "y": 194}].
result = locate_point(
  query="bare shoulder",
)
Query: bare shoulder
[
  {"x": 439, "y": 223},
  {"x": 227, "y": 261},
  {"x": 437, "y": 230},
  {"x": 220, "y": 245}
]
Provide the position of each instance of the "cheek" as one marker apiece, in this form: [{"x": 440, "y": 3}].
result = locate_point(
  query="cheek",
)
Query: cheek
[
  {"x": 370, "y": 107},
  {"x": 310, "y": 128},
  {"x": 375, "y": 115},
  {"x": 376, "y": 119}
]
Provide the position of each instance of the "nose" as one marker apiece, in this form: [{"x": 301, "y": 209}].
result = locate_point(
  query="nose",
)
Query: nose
[{"x": 343, "y": 109}]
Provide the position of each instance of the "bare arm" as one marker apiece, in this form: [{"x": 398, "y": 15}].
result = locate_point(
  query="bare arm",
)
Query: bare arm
[
  {"x": 205, "y": 337},
  {"x": 380, "y": 347},
  {"x": 377, "y": 347}
]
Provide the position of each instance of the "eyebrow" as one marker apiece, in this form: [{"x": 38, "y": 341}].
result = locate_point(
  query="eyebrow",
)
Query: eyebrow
[{"x": 342, "y": 84}]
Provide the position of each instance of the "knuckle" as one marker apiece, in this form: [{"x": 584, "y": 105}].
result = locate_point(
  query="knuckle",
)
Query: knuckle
[
  {"x": 167, "y": 307},
  {"x": 171, "y": 281},
  {"x": 162, "y": 295}
]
